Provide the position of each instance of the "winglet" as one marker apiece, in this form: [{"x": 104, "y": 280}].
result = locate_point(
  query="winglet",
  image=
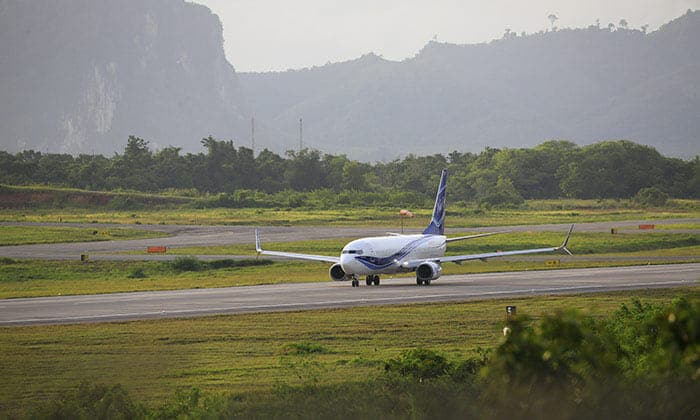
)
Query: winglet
[
  {"x": 566, "y": 241},
  {"x": 257, "y": 242}
]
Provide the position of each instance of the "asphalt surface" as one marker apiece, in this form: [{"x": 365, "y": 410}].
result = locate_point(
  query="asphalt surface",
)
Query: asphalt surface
[
  {"x": 306, "y": 296},
  {"x": 189, "y": 236}
]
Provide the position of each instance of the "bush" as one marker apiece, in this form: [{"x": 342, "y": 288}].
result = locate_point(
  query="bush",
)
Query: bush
[
  {"x": 137, "y": 273},
  {"x": 651, "y": 197},
  {"x": 188, "y": 263},
  {"x": 305, "y": 348},
  {"x": 420, "y": 364},
  {"x": 92, "y": 402}
]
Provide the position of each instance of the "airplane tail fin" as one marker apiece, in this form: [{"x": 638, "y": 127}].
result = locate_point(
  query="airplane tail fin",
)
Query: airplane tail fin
[{"x": 437, "y": 223}]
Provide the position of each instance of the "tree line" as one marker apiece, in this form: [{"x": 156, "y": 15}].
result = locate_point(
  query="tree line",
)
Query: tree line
[{"x": 497, "y": 177}]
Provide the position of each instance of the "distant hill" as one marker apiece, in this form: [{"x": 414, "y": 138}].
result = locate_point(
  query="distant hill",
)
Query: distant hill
[
  {"x": 582, "y": 85},
  {"x": 80, "y": 76}
]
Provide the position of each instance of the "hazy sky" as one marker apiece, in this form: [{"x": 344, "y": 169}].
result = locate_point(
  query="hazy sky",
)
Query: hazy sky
[{"x": 263, "y": 35}]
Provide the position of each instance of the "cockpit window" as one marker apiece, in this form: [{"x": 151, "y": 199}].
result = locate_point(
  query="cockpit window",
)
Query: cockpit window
[{"x": 353, "y": 251}]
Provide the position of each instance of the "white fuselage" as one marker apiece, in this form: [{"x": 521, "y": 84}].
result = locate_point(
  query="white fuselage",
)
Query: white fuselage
[{"x": 386, "y": 254}]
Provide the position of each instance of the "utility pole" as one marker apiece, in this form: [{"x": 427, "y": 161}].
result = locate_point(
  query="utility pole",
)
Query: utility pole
[
  {"x": 301, "y": 137},
  {"x": 252, "y": 134}
]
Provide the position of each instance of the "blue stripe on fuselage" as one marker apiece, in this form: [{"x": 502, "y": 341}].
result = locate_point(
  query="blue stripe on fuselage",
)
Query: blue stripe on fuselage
[{"x": 379, "y": 263}]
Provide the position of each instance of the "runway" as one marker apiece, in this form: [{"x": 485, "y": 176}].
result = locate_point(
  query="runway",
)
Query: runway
[{"x": 306, "y": 296}]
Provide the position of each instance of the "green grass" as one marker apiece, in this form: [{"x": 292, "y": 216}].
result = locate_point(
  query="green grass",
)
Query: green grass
[
  {"x": 537, "y": 212},
  {"x": 580, "y": 243},
  {"x": 679, "y": 226},
  {"x": 258, "y": 352},
  {"x": 24, "y": 235},
  {"x": 33, "y": 278}
]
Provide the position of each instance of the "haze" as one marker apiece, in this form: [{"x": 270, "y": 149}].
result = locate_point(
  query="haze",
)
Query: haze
[{"x": 276, "y": 35}]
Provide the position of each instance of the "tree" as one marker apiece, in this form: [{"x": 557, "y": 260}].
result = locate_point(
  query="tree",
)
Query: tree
[
  {"x": 613, "y": 169},
  {"x": 503, "y": 195},
  {"x": 271, "y": 168},
  {"x": 134, "y": 169},
  {"x": 552, "y": 18},
  {"x": 304, "y": 171},
  {"x": 622, "y": 24},
  {"x": 353, "y": 176},
  {"x": 171, "y": 169},
  {"x": 220, "y": 167}
]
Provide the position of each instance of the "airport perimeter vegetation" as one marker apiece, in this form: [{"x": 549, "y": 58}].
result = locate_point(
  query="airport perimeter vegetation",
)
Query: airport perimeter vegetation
[
  {"x": 67, "y": 205},
  {"x": 280, "y": 359}
]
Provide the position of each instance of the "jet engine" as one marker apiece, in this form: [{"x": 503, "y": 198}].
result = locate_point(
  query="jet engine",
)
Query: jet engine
[
  {"x": 428, "y": 271},
  {"x": 337, "y": 273}
]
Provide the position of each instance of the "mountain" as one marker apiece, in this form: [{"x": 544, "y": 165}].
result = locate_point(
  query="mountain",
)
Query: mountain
[
  {"x": 80, "y": 76},
  {"x": 582, "y": 85}
]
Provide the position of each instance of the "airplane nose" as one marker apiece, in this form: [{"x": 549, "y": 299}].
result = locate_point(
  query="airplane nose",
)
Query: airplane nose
[{"x": 348, "y": 263}]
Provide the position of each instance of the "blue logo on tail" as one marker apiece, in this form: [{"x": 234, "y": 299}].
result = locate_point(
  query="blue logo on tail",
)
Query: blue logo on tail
[{"x": 437, "y": 224}]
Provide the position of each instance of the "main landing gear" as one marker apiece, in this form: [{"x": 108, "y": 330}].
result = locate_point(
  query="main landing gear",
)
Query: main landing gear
[
  {"x": 372, "y": 279},
  {"x": 422, "y": 282}
]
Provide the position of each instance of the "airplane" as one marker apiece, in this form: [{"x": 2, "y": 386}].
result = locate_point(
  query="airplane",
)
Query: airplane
[{"x": 396, "y": 253}]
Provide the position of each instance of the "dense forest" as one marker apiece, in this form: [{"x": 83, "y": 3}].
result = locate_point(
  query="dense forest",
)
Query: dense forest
[{"x": 495, "y": 177}]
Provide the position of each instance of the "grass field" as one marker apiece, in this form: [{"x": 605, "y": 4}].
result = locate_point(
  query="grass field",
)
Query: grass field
[
  {"x": 24, "y": 235},
  {"x": 33, "y": 278},
  {"x": 535, "y": 212},
  {"x": 249, "y": 353},
  {"x": 580, "y": 243}
]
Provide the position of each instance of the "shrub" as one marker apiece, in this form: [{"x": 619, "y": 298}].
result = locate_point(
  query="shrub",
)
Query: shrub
[
  {"x": 90, "y": 401},
  {"x": 651, "y": 197},
  {"x": 420, "y": 364},
  {"x": 137, "y": 273},
  {"x": 305, "y": 348},
  {"x": 188, "y": 263}
]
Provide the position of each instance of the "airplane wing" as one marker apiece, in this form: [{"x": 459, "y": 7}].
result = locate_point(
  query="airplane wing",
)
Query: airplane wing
[
  {"x": 461, "y": 238},
  {"x": 310, "y": 257},
  {"x": 484, "y": 256}
]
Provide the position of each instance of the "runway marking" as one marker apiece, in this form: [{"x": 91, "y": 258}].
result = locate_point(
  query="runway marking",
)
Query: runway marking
[{"x": 324, "y": 304}]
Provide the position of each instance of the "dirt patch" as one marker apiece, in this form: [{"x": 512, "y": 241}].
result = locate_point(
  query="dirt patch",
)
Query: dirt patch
[{"x": 18, "y": 199}]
